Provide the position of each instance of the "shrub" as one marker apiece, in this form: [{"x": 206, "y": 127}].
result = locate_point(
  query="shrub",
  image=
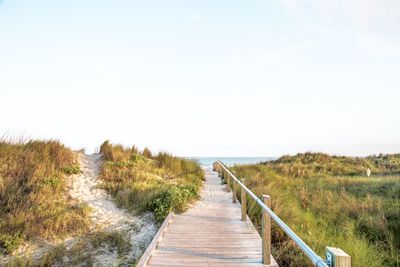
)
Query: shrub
[
  {"x": 9, "y": 242},
  {"x": 72, "y": 169},
  {"x": 173, "y": 198}
]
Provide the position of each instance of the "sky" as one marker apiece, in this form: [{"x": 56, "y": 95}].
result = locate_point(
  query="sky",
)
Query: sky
[{"x": 203, "y": 78}]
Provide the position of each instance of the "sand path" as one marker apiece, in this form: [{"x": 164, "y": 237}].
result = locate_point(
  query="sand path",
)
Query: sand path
[
  {"x": 105, "y": 214},
  {"x": 85, "y": 187}
]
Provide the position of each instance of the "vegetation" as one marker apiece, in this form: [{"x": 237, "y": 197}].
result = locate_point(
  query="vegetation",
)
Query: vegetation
[
  {"x": 33, "y": 203},
  {"x": 319, "y": 164},
  {"x": 142, "y": 181},
  {"x": 82, "y": 252},
  {"x": 329, "y": 201}
]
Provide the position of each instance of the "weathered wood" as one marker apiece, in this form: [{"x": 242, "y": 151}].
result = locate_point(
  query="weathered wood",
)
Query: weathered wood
[
  {"x": 338, "y": 257},
  {"x": 244, "y": 204},
  {"x": 147, "y": 254},
  {"x": 228, "y": 181},
  {"x": 266, "y": 232},
  {"x": 210, "y": 234},
  {"x": 234, "y": 191}
]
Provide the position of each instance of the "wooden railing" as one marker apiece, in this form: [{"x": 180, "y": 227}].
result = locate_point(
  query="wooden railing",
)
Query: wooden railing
[
  {"x": 335, "y": 257},
  {"x": 146, "y": 255}
]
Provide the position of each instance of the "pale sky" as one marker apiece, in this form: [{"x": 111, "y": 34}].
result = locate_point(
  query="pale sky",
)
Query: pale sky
[{"x": 204, "y": 78}]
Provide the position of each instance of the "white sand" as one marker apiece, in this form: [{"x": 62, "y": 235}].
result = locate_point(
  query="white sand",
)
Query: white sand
[{"x": 85, "y": 187}]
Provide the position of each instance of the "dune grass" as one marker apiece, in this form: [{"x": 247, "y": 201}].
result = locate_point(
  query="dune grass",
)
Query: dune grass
[
  {"x": 33, "y": 198},
  {"x": 331, "y": 203},
  {"x": 319, "y": 164},
  {"x": 139, "y": 180}
]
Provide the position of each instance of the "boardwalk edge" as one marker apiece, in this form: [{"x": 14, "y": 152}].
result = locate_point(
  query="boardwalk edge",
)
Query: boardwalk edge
[{"x": 147, "y": 254}]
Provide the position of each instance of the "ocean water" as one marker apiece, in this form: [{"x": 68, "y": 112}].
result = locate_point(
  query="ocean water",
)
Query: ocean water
[{"x": 206, "y": 161}]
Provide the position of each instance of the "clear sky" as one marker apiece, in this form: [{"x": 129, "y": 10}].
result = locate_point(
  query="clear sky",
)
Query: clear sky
[{"x": 204, "y": 78}]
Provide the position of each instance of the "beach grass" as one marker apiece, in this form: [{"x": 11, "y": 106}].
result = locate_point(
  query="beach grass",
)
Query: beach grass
[
  {"x": 33, "y": 198},
  {"x": 144, "y": 181},
  {"x": 331, "y": 202}
]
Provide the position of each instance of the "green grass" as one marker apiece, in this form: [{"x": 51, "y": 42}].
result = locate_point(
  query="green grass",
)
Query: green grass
[
  {"x": 33, "y": 198},
  {"x": 331, "y": 202},
  {"x": 142, "y": 181}
]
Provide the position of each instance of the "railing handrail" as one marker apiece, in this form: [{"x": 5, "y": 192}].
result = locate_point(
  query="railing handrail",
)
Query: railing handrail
[{"x": 315, "y": 259}]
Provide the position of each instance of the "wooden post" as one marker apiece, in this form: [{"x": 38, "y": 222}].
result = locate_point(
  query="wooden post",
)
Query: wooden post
[
  {"x": 244, "y": 204},
  {"x": 337, "y": 257},
  {"x": 266, "y": 232},
  {"x": 228, "y": 181},
  {"x": 234, "y": 191}
]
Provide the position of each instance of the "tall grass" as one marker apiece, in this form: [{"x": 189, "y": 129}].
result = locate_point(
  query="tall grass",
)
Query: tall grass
[
  {"x": 358, "y": 214},
  {"x": 142, "y": 181},
  {"x": 319, "y": 164},
  {"x": 33, "y": 198}
]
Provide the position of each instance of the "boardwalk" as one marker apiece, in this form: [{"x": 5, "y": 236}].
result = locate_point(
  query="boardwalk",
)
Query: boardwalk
[{"x": 209, "y": 234}]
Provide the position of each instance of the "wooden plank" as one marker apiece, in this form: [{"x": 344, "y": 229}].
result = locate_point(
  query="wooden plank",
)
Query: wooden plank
[
  {"x": 246, "y": 252},
  {"x": 202, "y": 264},
  {"x": 172, "y": 259},
  {"x": 208, "y": 246}
]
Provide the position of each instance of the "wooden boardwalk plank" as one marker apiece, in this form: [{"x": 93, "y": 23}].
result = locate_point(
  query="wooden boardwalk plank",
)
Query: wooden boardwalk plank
[{"x": 211, "y": 233}]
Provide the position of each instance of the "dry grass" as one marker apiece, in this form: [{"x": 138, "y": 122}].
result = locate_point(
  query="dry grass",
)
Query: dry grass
[
  {"x": 33, "y": 199},
  {"x": 142, "y": 181}
]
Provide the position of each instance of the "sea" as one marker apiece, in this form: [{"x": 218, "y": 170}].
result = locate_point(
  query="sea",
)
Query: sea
[{"x": 230, "y": 161}]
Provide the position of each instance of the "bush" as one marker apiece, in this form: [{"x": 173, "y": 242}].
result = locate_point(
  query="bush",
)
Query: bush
[
  {"x": 174, "y": 198},
  {"x": 9, "y": 242},
  {"x": 72, "y": 169}
]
